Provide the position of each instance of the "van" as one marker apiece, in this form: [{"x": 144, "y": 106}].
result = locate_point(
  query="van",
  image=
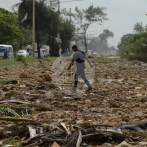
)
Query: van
[
  {"x": 9, "y": 48},
  {"x": 44, "y": 51},
  {"x": 41, "y": 54}
]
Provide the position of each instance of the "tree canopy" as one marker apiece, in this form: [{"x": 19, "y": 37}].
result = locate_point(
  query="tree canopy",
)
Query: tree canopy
[
  {"x": 85, "y": 17},
  {"x": 9, "y": 31},
  {"x": 48, "y": 24}
]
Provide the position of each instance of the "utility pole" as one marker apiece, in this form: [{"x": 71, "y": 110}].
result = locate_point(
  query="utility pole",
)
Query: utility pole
[
  {"x": 58, "y": 7},
  {"x": 33, "y": 28},
  {"x": 70, "y": 15},
  {"x": 77, "y": 37},
  {"x": 70, "y": 40},
  {"x": 59, "y": 16},
  {"x": 50, "y": 3}
]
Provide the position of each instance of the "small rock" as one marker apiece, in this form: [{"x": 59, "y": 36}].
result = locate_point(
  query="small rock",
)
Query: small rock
[
  {"x": 87, "y": 101},
  {"x": 73, "y": 105},
  {"x": 46, "y": 77},
  {"x": 116, "y": 109},
  {"x": 138, "y": 95},
  {"x": 27, "y": 93},
  {"x": 54, "y": 102},
  {"x": 55, "y": 145},
  {"x": 120, "y": 113},
  {"x": 84, "y": 144},
  {"x": 128, "y": 98},
  {"x": 126, "y": 118},
  {"x": 23, "y": 75},
  {"x": 142, "y": 144},
  {"x": 87, "y": 117},
  {"x": 123, "y": 144},
  {"x": 32, "y": 97},
  {"x": 22, "y": 86},
  {"x": 138, "y": 88},
  {"x": 106, "y": 145}
]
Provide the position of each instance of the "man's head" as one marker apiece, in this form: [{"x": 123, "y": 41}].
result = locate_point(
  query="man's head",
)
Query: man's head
[{"x": 74, "y": 48}]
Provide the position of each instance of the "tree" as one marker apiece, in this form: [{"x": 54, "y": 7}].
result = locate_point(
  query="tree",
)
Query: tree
[
  {"x": 52, "y": 30},
  {"x": 48, "y": 24},
  {"x": 86, "y": 17},
  {"x": 138, "y": 28},
  {"x": 41, "y": 17},
  {"x": 67, "y": 34},
  {"x": 9, "y": 33},
  {"x": 138, "y": 45},
  {"x": 125, "y": 40},
  {"x": 26, "y": 39},
  {"x": 103, "y": 36},
  {"x": 124, "y": 45}
]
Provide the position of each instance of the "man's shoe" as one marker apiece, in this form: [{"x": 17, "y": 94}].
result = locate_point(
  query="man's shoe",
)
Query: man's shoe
[
  {"x": 89, "y": 89},
  {"x": 73, "y": 89}
]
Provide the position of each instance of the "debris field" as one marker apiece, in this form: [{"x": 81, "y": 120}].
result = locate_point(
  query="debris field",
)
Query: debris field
[{"x": 37, "y": 105}]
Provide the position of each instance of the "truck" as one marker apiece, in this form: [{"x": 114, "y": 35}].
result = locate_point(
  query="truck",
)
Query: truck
[{"x": 8, "y": 48}]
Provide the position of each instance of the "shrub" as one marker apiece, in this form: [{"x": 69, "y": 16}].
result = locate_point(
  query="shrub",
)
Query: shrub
[
  {"x": 22, "y": 59},
  {"x": 140, "y": 47}
]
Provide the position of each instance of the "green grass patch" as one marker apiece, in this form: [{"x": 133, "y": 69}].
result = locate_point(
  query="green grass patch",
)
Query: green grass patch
[
  {"x": 100, "y": 58},
  {"x": 105, "y": 61},
  {"x": 10, "y": 62},
  {"x": 26, "y": 61},
  {"x": 50, "y": 58}
]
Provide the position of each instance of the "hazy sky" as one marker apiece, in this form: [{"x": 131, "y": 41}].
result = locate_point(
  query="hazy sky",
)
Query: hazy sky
[{"x": 122, "y": 14}]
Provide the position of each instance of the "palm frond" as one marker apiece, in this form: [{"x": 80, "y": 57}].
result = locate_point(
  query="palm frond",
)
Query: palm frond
[{"x": 5, "y": 110}]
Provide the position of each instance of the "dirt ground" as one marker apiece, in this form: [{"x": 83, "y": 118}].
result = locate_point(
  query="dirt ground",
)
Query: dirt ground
[{"x": 119, "y": 97}]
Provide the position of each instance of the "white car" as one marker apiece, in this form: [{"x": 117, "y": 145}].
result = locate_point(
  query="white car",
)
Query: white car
[
  {"x": 41, "y": 54},
  {"x": 23, "y": 53}
]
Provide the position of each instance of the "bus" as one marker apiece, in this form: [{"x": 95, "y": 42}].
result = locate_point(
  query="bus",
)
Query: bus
[{"x": 9, "y": 48}]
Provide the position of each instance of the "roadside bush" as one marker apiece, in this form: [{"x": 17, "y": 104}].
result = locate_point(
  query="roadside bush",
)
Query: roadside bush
[
  {"x": 139, "y": 48},
  {"x": 135, "y": 48},
  {"x": 22, "y": 59},
  {"x": 137, "y": 37}
]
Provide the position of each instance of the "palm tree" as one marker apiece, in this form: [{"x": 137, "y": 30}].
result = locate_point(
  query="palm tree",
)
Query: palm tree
[
  {"x": 138, "y": 28},
  {"x": 104, "y": 36},
  {"x": 25, "y": 17}
]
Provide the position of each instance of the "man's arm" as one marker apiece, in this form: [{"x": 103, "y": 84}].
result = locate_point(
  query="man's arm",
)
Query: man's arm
[
  {"x": 72, "y": 62},
  {"x": 89, "y": 61}
]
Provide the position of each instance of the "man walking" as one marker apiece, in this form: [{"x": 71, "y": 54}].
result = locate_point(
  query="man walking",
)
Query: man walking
[
  {"x": 79, "y": 57},
  {"x": 6, "y": 54}
]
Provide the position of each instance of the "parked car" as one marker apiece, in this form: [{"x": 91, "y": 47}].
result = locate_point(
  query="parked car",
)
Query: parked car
[
  {"x": 94, "y": 53},
  {"x": 41, "y": 54},
  {"x": 89, "y": 52},
  {"x": 23, "y": 53}
]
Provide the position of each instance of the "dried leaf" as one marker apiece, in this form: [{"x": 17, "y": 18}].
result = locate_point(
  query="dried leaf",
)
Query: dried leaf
[
  {"x": 66, "y": 128},
  {"x": 15, "y": 119}
]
